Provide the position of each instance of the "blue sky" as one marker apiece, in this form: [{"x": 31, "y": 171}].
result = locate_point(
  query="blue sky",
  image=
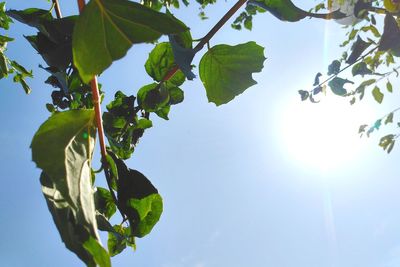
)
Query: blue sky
[{"x": 237, "y": 189}]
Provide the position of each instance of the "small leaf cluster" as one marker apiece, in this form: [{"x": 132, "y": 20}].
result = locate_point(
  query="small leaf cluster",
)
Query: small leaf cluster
[{"x": 8, "y": 66}]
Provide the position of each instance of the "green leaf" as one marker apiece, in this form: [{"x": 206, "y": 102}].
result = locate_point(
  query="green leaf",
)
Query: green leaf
[
  {"x": 372, "y": 29},
  {"x": 387, "y": 142},
  {"x": 5, "y": 39},
  {"x": 285, "y": 10},
  {"x": 3, "y": 65},
  {"x": 337, "y": 86},
  {"x": 176, "y": 95},
  {"x": 149, "y": 209},
  {"x": 113, "y": 171},
  {"x": 104, "y": 202},
  {"x": 118, "y": 239},
  {"x": 102, "y": 223},
  {"x": 106, "y": 30},
  {"x": 18, "y": 78},
  {"x": 163, "y": 112},
  {"x": 138, "y": 199},
  {"x": 99, "y": 254},
  {"x": 144, "y": 124},
  {"x": 360, "y": 69},
  {"x": 389, "y": 87},
  {"x": 74, "y": 232},
  {"x": 389, "y": 118},
  {"x": 153, "y": 97},
  {"x": 160, "y": 61},
  {"x": 32, "y": 16},
  {"x": 4, "y": 18},
  {"x": 63, "y": 147},
  {"x": 21, "y": 69},
  {"x": 226, "y": 71},
  {"x": 378, "y": 96},
  {"x": 361, "y": 88},
  {"x": 55, "y": 54}
]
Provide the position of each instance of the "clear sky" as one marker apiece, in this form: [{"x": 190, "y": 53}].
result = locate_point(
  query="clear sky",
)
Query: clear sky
[{"x": 265, "y": 180}]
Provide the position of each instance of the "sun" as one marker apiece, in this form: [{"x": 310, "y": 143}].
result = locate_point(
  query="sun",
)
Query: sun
[{"x": 323, "y": 136}]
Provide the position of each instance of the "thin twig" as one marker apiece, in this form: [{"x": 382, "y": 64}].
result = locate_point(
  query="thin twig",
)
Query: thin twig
[
  {"x": 99, "y": 121},
  {"x": 57, "y": 8},
  {"x": 345, "y": 68}
]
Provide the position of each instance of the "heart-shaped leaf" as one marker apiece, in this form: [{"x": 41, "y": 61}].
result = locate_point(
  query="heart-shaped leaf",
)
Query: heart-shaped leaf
[{"x": 226, "y": 71}]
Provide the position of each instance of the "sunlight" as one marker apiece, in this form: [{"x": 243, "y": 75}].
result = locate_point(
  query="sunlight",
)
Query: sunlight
[{"x": 323, "y": 136}]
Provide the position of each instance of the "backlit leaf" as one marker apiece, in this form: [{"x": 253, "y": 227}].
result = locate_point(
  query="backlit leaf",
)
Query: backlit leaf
[
  {"x": 108, "y": 28},
  {"x": 226, "y": 71},
  {"x": 377, "y": 94},
  {"x": 160, "y": 61},
  {"x": 62, "y": 147}
]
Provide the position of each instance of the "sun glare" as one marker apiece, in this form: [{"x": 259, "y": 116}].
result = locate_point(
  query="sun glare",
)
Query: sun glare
[{"x": 323, "y": 136}]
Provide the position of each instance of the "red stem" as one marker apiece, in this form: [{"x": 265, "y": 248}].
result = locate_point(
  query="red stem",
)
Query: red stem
[
  {"x": 96, "y": 103},
  {"x": 57, "y": 8},
  {"x": 81, "y": 5},
  {"x": 99, "y": 121}
]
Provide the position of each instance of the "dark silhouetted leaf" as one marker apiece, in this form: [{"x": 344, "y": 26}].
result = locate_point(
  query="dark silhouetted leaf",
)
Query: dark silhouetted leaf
[
  {"x": 153, "y": 97},
  {"x": 138, "y": 199},
  {"x": 304, "y": 94},
  {"x": 391, "y": 35},
  {"x": 357, "y": 49},
  {"x": 360, "y": 69},
  {"x": 183, "y": 57},
  {"x": 316, "y": 79},
  {"x": 337, "y": 86},
  {"x": 334, "y": 67}
]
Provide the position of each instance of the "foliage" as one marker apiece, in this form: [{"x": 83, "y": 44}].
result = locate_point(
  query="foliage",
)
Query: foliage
[
  {"x": 78, "y": 48},
  {"x": 371, "y": 52}
]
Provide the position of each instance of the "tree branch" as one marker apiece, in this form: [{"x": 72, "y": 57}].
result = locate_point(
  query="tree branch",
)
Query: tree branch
[
  {"x": 345, "y": 68},
  {"x": 209, "y": 35},
  {"x": 99, "y": 124}
]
